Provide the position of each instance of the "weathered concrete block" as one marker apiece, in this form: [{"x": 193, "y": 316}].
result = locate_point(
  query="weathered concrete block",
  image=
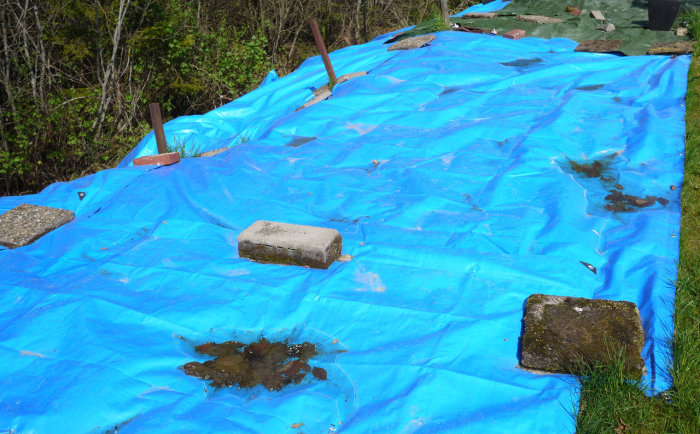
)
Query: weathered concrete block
[
  {"x": 284, "y": 243},
  {"x": 599, "y": 46},
  {"x": 480, "y": 15},
  {"x": 158, "y": 159},
  {"x": 414, "y": 42},
  {"x": 609, "y": 27},
  {"x": 514, "y": 34},
  {"x": 679, "y": 47},
  {"x": 598, "y": 15},
  {"x": 562, "y": 334},
  {"x": 25, "y": 223},
  {"x": 682, "y": 31},
  {"x": 538, "y": 19}
]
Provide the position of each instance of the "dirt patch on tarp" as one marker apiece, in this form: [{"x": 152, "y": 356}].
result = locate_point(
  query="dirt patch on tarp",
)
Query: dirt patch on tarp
[
  {"x": 619, "y": 202},
  {"x": 595, "y": 169},
  {"x": 272, "y": 364}
]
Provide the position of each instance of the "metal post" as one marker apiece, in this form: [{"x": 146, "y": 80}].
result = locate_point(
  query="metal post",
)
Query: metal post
[
  {"x": 157, "y": 122},
  {"x": 324, "y": 53},
  {"x": 445, "y": 13}
]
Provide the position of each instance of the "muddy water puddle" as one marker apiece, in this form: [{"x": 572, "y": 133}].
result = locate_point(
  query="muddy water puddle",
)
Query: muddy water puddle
[
  {"x": 271, "y": 364},
  {"x": 619, "y": 202},
  {"x": 615, "y": 200}
]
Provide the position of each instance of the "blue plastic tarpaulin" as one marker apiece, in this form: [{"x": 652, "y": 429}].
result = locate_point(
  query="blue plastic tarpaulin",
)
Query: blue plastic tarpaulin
[{"x": 447, "y": 171}]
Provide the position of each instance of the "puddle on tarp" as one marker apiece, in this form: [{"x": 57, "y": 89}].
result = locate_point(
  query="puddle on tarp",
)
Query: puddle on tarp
[
  {"x": 300, "y": 140},
  {"x": 523, "y": 63},
  {"x": 271, "y": 364},
  {"x": 590, "y": 87},
  {"x": 618, "y": 202}
]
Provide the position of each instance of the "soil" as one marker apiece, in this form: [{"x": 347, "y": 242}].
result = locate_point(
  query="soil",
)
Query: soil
[
  {"x": 272, "y": 364},
  {"x": 619, "y": 202},
  {"x": 591, "y": 170}
]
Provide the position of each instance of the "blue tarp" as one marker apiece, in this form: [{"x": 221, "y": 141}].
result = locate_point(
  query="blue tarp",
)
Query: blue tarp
[{"x": 446, "y": 170}]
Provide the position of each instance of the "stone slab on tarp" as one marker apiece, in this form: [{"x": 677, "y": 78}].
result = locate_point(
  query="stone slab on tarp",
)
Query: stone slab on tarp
[
  {"x": 684, "y": 47},
  {"x": 411, "y": 43},
  {"x": 25, "y": 223},
  {"x": 290, "y": 244},
  {"x": 565, "y": 334},
  {"x": 599, "y": 46}
]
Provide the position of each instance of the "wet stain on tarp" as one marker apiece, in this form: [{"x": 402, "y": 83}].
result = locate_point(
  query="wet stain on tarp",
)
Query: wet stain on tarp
[
  {"x": 347, "y": 220},
  {"x": 591, "y": 87},
  {"x": 619, "y": 202},
  {"x": 271, "y": 364},
  {"x": 523, "y": 63},
  {"x": 300, "y": 140}
]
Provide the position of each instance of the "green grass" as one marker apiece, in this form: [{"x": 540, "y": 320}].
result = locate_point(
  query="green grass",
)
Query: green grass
[{"x": 609, "y": 401}]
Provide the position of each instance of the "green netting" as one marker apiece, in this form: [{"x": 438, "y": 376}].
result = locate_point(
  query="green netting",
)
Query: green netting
[{"x": 629, "y": 17}]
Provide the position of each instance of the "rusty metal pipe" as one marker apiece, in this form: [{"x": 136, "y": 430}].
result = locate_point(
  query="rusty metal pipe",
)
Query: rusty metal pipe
[
  {"x": 157, "y": 122},
  {"x": 324, "y": 53}
]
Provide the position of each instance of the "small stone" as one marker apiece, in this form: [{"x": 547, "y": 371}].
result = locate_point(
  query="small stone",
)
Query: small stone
[
  {"x": 514, "y": 34},
  {"x": 598, "y": 15},
  {"x": 680, "y": 47},
  {"x": 480, "y": 15},
  {"x": 25, "y": 223},
  {"x": 609, "y": 27},
  {"x": 158, "y": 160},
  {"x": 284, "y": 243},
  {"x": 411, "y": 43},
  {"x": 538, "y": 19},
  {"x": 344, "y": 258},
  {"x": 681, "y": 31},
  {"x": 564, "y": 334},
  {"x": 599, "y": 46}
]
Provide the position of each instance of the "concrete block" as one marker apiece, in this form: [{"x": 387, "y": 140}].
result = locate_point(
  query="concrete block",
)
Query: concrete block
[
  {"x": 682, "y": 31},
  {"x": 599, "y": 46},
  {"x": 538, "y": 19},
  {"x": 598, "y": 15},
  {"x": 158, "y": 159},
  {"x": 680, "y": 47},
  {"x": 284, "y": 243},
  {"x": 563, "y": 334},
  {"x": 411, "y": 43},
  {"x": 609, "y": 27},
  {"x": 25, "y": 223},
  {"x": 485, "y": 15},
  {"x": 515, "y": 34}
]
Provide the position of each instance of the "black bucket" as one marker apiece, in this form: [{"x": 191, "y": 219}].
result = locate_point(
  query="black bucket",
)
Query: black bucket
[{"x": 662, "y": 13}]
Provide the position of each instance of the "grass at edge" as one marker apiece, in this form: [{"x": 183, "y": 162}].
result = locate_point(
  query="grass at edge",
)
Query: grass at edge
[{"x": 610, "y": 402}]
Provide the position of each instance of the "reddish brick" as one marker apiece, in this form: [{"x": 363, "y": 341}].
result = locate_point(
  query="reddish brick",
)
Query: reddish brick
[
  {"x": 158, "y": 160},
  {"x": 514, "y": 34}
]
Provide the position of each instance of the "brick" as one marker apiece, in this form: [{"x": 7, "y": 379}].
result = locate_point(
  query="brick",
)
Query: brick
[
  {"x": 573, "y": 10},
  {"x": 515, "y": 34},
  {"x": 564, "y": 334},
  {"x": 284, "y": 243},
  {"x": 158, "y": 159},
  {"x": 25, "y": 223}
]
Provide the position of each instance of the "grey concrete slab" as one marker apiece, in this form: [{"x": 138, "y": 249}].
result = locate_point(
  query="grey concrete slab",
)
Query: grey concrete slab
[
  {"x": 565, "y": 334},
  {"x": 25, "y": 223},
  {"x": 285, "y": 243}
]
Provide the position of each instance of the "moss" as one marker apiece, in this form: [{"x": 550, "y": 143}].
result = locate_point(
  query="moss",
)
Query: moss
[{"x": 565, "y": 334}]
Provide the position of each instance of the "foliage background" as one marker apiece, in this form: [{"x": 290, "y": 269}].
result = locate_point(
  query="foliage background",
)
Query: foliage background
[{"x": 76, "y": 76}]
